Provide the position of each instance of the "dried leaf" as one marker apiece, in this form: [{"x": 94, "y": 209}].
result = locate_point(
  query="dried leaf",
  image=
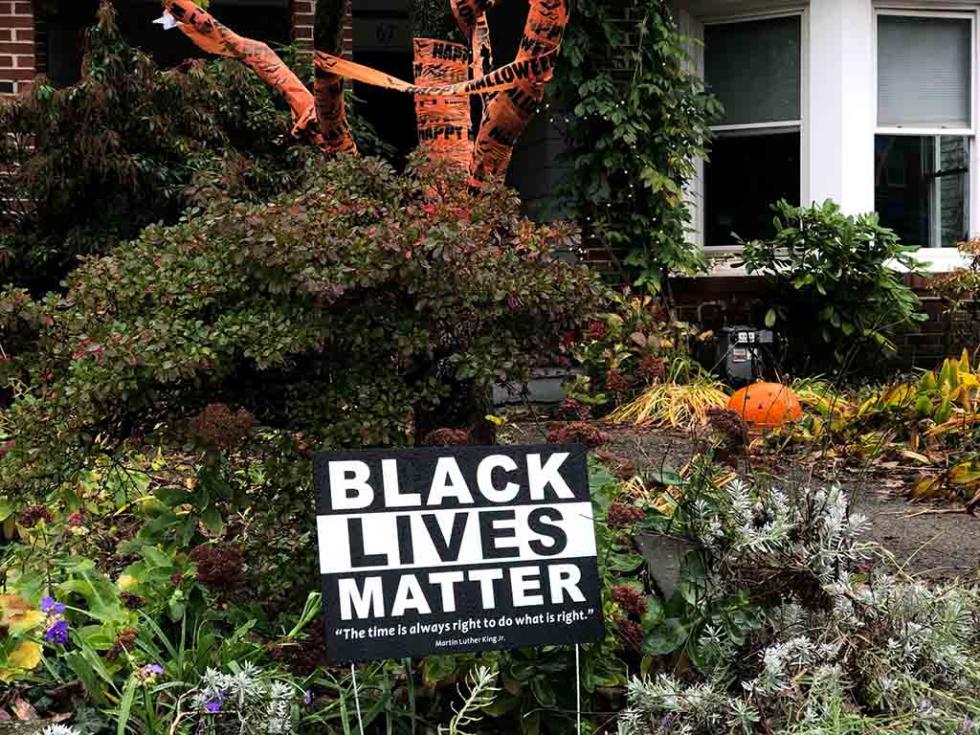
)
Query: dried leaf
[
  {"x": 24, "y": 710},
  {"x": 915, "y": 456}
]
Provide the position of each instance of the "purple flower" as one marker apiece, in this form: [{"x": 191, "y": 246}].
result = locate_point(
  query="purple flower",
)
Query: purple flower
[
  {"x": 150, "y": 670},
  {"x": 51, "y": 607},
  {"x": 213, "y": 705},
  {"x": 308, "y": 697},
  {"x": 57, "y": 633},
  {"x": 966, "y": 726}
]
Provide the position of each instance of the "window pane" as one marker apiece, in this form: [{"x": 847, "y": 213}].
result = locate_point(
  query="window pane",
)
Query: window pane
[
  {"x": 922, "y": 188},
  {"x": 754, "y": 69},
  {"x": 745, "y": 176},
  {"x": 924, "y": 72}
]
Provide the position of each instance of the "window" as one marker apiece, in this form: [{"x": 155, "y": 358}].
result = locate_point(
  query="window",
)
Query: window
[
  {"x": 922, "y": 187},
  {"x": 925, "y": 126},
  {"x": 755, "y": 69}
]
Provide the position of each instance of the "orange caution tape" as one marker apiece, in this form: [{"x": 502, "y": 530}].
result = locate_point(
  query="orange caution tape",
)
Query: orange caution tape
[
  {"x": 507, "y": 114},
  {"x": 521, "y": 82},
  {"x": 472, "y": 21},
  {"x": 506, "y": 77},
  {"x": 445, "y": 124},
  {"x": 335, "y": 131},
  {"x": 211, "y": 36}
]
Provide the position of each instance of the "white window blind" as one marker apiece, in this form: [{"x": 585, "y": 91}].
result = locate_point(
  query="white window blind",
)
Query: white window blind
[
  {"x": 924, "y": 72},
  {"x": 754, "y": 69}
]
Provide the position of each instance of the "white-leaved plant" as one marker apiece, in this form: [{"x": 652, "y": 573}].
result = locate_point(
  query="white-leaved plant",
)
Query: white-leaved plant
[
  {"x": 480, "y": 683},
  {"x": 249, "y": 700},
  {"x": 835, "y": 653}
]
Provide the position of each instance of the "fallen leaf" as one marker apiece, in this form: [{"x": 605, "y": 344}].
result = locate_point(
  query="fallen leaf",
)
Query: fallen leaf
[
  {"x": 27, "y": 655},
  {"x": 24, "y": 710},
  {"x": 915, "y": 456}
]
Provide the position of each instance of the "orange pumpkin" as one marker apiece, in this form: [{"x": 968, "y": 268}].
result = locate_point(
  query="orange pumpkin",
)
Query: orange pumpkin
[{"x": 766, "y": 405}]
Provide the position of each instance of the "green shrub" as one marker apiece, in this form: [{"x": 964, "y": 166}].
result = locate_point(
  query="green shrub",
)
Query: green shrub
[
  {"x": 834, "y": 283},
  {"x": 347, "y": 311},
  {"x": 631, "y": 344},
  {"x": 129, "y": 145},
  {"x": 636, "y": 118}
]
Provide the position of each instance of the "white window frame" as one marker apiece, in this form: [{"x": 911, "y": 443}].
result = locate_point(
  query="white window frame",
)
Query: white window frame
[
  {"x": 777, "y": 126},
  {"x": 893, "y": 10}
]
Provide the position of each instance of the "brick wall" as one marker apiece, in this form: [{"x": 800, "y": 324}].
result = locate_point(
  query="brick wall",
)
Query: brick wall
[
  {"x": 303, "y": 26},
  {"x": 17, "y": 50}
]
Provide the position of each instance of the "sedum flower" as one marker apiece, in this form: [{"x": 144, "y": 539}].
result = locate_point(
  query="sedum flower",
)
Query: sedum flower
[
  {"x": 629, "y": 599},
  {"x": 34, "y": 514},
  {"x": 220, "y": 567},
  {"x": 622, "y": 515}
]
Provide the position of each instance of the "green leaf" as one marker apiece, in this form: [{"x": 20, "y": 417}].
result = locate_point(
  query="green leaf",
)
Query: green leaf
[
  {"x": 666, "y": 638},
  {"x": 543, "y": 692},
  {"x": 213, "y": 519},
  {"x": 126, "y": 705},
  {"x": 86, "y": 675},
  {"x": 156, "y": 557},
  {"x": 771, "y": 318}
]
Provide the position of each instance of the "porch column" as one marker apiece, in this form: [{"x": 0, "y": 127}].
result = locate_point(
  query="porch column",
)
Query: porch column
[{"x": 841, "y": 104}]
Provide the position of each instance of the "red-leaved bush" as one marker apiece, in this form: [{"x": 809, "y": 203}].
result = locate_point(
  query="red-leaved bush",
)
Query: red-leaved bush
[{"x": 344, "y": 311}]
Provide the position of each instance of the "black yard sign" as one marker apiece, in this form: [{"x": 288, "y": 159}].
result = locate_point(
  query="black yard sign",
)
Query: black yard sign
[{"x": 433, "y": 551}]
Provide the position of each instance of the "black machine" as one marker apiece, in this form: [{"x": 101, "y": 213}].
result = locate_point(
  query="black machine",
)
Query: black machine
[{"x": 743, "y": 352}]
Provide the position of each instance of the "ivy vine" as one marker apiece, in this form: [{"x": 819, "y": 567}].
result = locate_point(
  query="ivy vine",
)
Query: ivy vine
[{"x": 637, "y": 118}]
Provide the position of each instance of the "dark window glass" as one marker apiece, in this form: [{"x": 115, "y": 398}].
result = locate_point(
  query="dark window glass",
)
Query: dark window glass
[
  {"x": 746, "y": 174},
  {"x": 754, "y": 69},
  {"x": 63, "y": 25},
  {"x": 922, "y": 188}
]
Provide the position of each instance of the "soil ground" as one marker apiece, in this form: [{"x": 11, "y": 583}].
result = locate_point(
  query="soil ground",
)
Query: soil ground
[{"x": 931, "y": 541}]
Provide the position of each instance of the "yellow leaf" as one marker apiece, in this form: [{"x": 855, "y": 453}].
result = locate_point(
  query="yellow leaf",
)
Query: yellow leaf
[
  {"x": 26, "y": 621},
  {"x": 126, "y": 582},
  {"x": 915, "y": 456},
  {"x": 27, "y": 655},
  {"x": 18, "y": 614},
  {"x": 928, "y": 487},
  {"x": 964, "y": 474}
]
